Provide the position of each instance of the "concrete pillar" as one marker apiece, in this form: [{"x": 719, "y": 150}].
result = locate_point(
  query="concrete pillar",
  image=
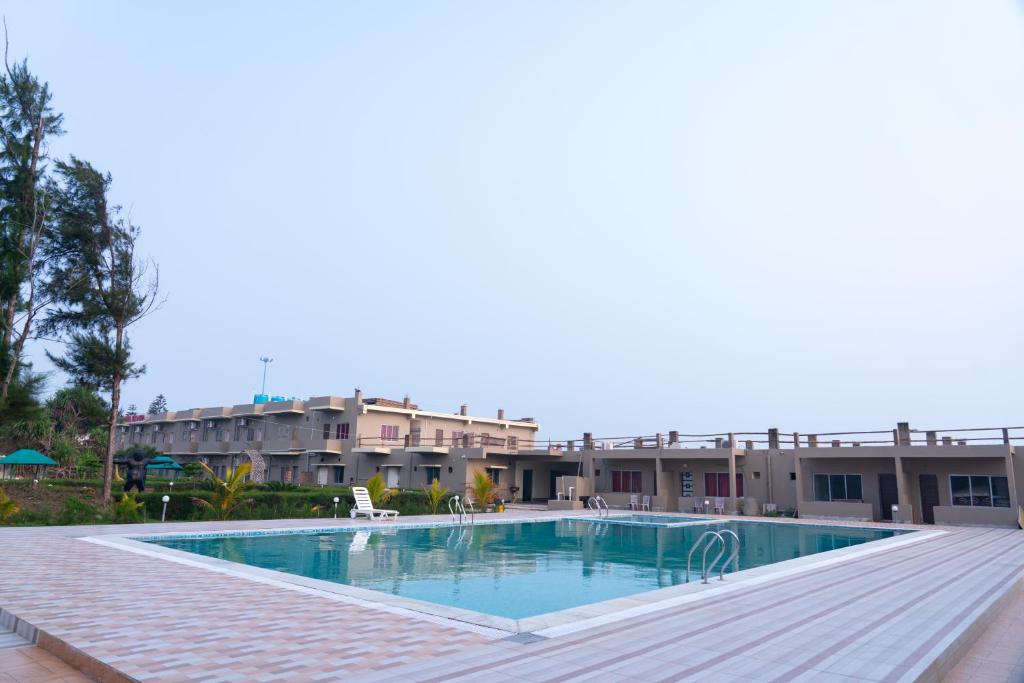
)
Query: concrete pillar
[
  {"x": 750, "y": 445},
  {"x": 359, "y": 395},
  {"x": 895, "y": 438},
  {"x": 1011, "y": 478},
  {"x": 658, "y": 440},
  {"x": 947, "y": 441},
  {"x": 836, "y": 443},
  {"x": 773, "y": 438},
  {"x": 501, "y": 413},
  {"x": 673, "y": 437},
  {"x": 798, "y": 465},
  {"x": 718, "y": 442},
  {"x": 588, "y": 441},
  {"x": 903, "y": 433},
  {"x": 660, "y": 486},
  {"x": 1006, "y": 436},
  {"x": 732, "y": 507},
  {"x": 812, "y": 440},
  {"x": 931, "y": 438},
  {"x": 904, "y": 513},
  {"x": 796, "y": 439}
]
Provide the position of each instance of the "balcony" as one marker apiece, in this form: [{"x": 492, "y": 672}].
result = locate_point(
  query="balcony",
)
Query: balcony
[
  {"x": 279, "y": 407},
  {"x": 284, "y": 446},
  {"x": 247, "y": 410},
  {"x": 214, "y": 413},
  {"x": 184, "y": 448},
  {"x": 242, "y": 446},
  {"x": 212, "y": 448},
  {"x": 332, "y": 403},
  {"x": 374, "y": 445}
]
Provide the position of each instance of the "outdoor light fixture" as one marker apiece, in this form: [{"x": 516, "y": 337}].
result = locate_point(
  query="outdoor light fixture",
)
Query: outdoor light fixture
[
  {"x": 163, "y": 515},
  {"x": 336, "y": 500}
]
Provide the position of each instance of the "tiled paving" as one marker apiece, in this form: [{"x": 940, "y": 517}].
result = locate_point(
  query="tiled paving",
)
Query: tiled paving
[
  {"x": 998, "y": 655},
  {"x": 21, "y": 662},
  {"x": 882, "y": 616}
]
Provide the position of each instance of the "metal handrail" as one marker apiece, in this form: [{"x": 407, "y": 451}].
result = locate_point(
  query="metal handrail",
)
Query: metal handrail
[
  {"x": 734, "y": 554},
  {"x": 595, "y": 503},
  {"x": 458, "y": 507},
  {"x": 704, "y": 556},
  {"x": 471, "y": 512}
]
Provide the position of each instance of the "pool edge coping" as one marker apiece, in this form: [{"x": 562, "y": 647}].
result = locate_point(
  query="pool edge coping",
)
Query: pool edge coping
[{"x": 548, "y": 624}]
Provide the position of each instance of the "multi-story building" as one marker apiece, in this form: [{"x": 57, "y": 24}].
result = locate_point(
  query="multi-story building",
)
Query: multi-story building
[
  {"x": 952, "y": 476},
  {"x": 344, "y": 440}
]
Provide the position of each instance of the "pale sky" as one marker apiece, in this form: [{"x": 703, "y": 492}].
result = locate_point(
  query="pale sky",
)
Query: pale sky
[{"x": 615, "y": 217}]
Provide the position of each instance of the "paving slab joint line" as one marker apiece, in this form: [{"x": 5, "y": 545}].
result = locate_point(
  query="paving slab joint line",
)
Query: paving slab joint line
[
  {"x": 958, "y": 644},
  {"x": 61, "y": 649}
]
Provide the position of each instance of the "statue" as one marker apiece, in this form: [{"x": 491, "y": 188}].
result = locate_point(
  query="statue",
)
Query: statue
[{"x": 135, "y": 468}]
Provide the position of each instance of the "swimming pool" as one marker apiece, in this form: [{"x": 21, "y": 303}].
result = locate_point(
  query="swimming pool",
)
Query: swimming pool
[
  {"x": 514, "y": 570},
  {"x": 661, "y": 520}
]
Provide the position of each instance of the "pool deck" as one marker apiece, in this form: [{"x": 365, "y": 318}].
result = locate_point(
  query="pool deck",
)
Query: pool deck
[{"x": 911, "y": 610}]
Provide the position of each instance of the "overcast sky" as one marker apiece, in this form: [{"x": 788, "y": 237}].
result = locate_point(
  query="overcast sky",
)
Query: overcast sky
[{"x": 615, "y": 217}]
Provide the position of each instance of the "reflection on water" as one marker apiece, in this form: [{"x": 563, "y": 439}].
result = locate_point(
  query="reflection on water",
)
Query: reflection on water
[{"x": 516, "y": 570}]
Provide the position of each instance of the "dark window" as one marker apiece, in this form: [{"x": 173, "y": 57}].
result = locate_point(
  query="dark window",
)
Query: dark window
[
  {"x": 433, "y": 474},
  {"x": 327, "y": 430},
  {"x": 792, "y": 476},
  {"x": 341, "y": 432},
  {"x": 717, "y": 484},
  {"x": 979, "y": 491},
  {"x": 834, "y": 487},
  {"x": 495, "y": 475},
  {"x": 626, "y": 481},
  {"x": 438, "y": 437}
]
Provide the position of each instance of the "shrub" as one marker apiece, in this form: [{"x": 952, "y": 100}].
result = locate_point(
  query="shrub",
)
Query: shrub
[
  {"x": 228, "y": 493},
  {"x": 128, "y": 508},
  {"x": 8, "y": 508},
  {"x": 77, "y": 511},
  {"x": 379, "y": 492},
  {"x": 483, "y": 489}
]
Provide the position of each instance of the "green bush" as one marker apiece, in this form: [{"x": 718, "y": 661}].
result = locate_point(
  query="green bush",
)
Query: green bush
[{"x": 78, "y": 511}]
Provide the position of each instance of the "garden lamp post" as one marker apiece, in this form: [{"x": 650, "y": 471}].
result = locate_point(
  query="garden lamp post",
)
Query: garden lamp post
[
  {"x": 163, "y": 515},
  {"x": 336, "y": 500}
]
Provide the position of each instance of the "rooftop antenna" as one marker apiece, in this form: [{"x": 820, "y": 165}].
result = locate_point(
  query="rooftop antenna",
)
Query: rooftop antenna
[{"x": 266, "y": 360}]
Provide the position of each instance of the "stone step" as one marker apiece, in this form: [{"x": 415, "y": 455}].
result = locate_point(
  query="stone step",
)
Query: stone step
[{"x": 10, "y": 639}]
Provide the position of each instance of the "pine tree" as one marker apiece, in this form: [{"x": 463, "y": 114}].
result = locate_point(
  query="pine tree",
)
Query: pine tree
[{"x": 159, "y": 405}]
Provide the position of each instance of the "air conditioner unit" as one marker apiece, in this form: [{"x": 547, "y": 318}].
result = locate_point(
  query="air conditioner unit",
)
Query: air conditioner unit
[
  {"x": 157, "y": 428},
  {"x": 211, "y": 423},
  {"x": 242, "y": 422},
  {"x": 193, "y": 425}
]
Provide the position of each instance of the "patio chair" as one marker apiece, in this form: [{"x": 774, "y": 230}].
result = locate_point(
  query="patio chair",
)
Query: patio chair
[
  {"x": 634, "y": 502},
  {"x": 364, "y": 506},
  {"x": 646, "y": 503},
  {"x": 719, "y": 506},
  {"x": 698, "y": 505}
]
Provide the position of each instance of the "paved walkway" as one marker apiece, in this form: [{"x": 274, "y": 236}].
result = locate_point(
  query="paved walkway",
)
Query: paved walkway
[
  {"x": 883, "y": 616},
  {"x": 998, "y": 655}
]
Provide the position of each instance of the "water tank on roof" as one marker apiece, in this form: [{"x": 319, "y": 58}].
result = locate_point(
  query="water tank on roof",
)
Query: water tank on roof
[
  {"x": 277, "y": 399},
  {"x": 260, "y": 398}
]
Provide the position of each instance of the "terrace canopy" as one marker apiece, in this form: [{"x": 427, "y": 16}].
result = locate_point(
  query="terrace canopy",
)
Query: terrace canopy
[{"x": 26, "y": 457}]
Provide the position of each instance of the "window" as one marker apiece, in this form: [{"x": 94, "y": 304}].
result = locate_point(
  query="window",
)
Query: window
[
  {"x": 389, "y": 432},
  {"x": 339, "y": 475},
  {"x": 433, "y": 474},
  {"x": 979, "y": 491},
  {"x": 494, "y": 474},
  {"x": 513, "y": 443},
  {"x": 833, "y": 487},
  {"x": 438, "y": 437},
  {"x": 716, "y": 484},
  {"x": 341, "y": 432},
  {"x": 327, "y": 430},
  {"x": 456, "y": 439},
  {"x": 626, "y": 481}
]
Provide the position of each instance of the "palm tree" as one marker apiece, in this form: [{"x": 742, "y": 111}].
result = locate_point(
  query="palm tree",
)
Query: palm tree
[
  {"x": 228, "y": 493},
  {"x": 378, "y": 491},
  {"x": 435, "y": 495},
  {"x": 483, "y": 489}
]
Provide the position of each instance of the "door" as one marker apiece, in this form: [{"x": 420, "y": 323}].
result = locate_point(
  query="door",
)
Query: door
[
  {"x": 321, "y": 476},
  {"x": 391, "y": 477},
  {"x": 527, "y": 486},
  {"x": 887, "y": 492},
  {"x": 929, "y": 496}
]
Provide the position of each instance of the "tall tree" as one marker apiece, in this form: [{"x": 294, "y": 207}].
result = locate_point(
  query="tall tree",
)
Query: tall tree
[
  {"x": 159, "y": 405},
  {"x": 26, "y": 121},
  {"x": 101, "y": 288}
]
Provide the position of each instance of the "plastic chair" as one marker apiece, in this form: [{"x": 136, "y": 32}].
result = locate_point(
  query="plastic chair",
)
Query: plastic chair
[
  {"x": 634, "y": 502},
  {"x": 646, "y": 504},
  {"x": 719, "y": 506}
]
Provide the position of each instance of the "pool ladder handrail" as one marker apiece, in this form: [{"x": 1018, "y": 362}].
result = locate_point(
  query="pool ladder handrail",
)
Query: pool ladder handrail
[
  {"x": 595, "y": 503},
  {"x": 458, "y": 505},
  {"x": 712, "y": 537},
  {"x": 734, "y": 554}
]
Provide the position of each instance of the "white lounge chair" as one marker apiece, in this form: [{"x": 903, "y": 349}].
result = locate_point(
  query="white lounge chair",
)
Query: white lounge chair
[
  {"x": 364, "y": 506},
  {"x": 634, "y": 502},
  {"x": 719, "y": 506},
  {"x": 645, "y": 503}
]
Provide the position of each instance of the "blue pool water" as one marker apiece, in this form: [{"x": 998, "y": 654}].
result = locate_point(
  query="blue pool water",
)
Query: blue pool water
[
  {"x": 515, "y": 570},
  {"x": 652, "y": 519}
]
